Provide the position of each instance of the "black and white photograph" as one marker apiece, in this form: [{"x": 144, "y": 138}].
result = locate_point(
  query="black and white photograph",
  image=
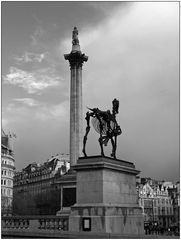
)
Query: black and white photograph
[{"x": 90, "y": 119}]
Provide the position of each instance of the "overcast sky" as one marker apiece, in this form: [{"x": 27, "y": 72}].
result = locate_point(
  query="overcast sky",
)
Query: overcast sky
[{"x": 133, "y": 50}]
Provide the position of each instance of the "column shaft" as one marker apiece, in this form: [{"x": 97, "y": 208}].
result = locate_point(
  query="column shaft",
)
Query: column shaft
[{"x": 75, "y": 114}]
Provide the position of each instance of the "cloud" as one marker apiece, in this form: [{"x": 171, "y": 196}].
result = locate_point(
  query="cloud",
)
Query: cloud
[
  {"x": 56, "y": 112},
  {"x": 32, "y": 82},
  {"x": 132, "y": 52},
  {"x": 26, "y": 110},
  {"x": 36, "y": 36},
  {"x": 134, "y": 57},
  {"x": 29, "y": 57},
  {"x": 27, "y": 101},
  {"x": 108, "y": 7}
]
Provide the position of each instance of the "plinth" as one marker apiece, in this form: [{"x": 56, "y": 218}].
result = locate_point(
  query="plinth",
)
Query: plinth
[{"x": 107, "y": 200}]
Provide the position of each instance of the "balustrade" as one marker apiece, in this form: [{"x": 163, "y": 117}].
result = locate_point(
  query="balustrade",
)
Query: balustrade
[
  {"x": 15, "y": 223},
  {"x": 38, "y": 222}
]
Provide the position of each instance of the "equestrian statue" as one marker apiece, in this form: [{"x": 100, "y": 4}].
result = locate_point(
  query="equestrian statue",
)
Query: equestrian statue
[{"x": 104, "y": 123}]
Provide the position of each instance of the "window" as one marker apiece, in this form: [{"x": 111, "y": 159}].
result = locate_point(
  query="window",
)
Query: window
[
  {"x": 171, "y": 211},
  {"x": 168, "y": 211},
  {"x": 9, "y": 182},
  {"x": 165, "y": 211},
  {"x": 4, "y": 182}
]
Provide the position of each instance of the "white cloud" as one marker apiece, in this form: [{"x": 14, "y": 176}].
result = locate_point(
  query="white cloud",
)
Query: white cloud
[
  {"x": 29, "y": 57},
  {"x": 23, "y": 109},
  {"x": 27, "y": 101},
  {"x": 32, "y": 82},
  {"x": 58, "y": 112}
]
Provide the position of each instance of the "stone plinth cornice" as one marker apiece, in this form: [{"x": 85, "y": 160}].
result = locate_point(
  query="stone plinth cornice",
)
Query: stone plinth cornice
[{"x": 105, "y": 162}]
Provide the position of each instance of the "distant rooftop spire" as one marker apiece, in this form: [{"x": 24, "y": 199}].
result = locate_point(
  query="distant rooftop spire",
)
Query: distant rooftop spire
[{"x": 75, "y": 40}]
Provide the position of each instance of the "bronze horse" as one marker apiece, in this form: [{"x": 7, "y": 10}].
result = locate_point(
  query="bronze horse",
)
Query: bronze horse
[{"x": 104, "y": 122}]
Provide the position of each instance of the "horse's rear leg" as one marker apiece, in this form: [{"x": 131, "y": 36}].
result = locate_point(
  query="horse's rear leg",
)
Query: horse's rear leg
[
  {"x": 113, "y": 154},
  {"x": 101, "y": 145}
]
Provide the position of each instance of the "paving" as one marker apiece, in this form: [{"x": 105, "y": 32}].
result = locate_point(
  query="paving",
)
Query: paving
[{"x": 73, "y": 235}]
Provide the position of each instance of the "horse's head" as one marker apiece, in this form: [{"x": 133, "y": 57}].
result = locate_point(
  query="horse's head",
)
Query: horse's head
[{"x": 94, "y": 110}]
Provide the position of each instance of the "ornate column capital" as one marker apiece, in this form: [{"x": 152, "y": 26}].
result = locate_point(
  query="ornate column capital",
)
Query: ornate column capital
[{"x": 76, "y": 58}]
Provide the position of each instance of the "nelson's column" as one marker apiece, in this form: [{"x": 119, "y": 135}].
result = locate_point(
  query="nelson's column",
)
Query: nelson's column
[{"x": 76, "y": 59}]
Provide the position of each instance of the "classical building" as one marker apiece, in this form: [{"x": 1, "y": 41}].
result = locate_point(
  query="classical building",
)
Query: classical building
[
  {"x": 34, "y": 190},
  {"x": 174, "y": 192},
  {"x": 157, "y": 203},
  {"x": 7, "y": 173}
]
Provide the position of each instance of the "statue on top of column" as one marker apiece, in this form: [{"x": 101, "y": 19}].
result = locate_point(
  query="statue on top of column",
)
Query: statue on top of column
[{"x": 75, "y": 40}]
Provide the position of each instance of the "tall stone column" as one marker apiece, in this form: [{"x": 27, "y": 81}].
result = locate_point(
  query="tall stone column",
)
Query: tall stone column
[{"x": 76, "y": 59}]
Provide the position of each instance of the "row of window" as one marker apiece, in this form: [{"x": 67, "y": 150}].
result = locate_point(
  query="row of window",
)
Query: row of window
[
  {"x": 6, "y": 152},
  {"x": 6, "y": 182},
  {"x": 32, "y": 178},
  {"x": 9, "y": 173},
  {"x": 165, "y": 211},
  {"x": 156, "y": 201},
  {"x": 164, "y": 201},
  {"x": 35, "y": 181},
  {"x": 159, "y": 211},
  {"x": 36, "y": 186},
  {"x": 7, "y": 192},
  {"x": 8, "y": 162}
]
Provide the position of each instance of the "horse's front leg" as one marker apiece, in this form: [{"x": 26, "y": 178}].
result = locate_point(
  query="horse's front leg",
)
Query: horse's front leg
[
  {"x": 85, "y": 140},
  {"x": 86, "y": 134}
]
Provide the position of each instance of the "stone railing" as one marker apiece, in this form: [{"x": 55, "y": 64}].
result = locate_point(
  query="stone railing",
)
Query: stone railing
[{"x": 35, "y": 223}]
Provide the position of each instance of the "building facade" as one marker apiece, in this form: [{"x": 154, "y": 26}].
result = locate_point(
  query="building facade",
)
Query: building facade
[
  {"x": 7, "y": 173},
  {"x": 34, "y": 189},
  {"x": 175, "y": 196},
  {"x": 156, "y": 202}
]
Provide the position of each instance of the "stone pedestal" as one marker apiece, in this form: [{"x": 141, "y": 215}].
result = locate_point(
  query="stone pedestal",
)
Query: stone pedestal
[{"x": 106, "y": 197}]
